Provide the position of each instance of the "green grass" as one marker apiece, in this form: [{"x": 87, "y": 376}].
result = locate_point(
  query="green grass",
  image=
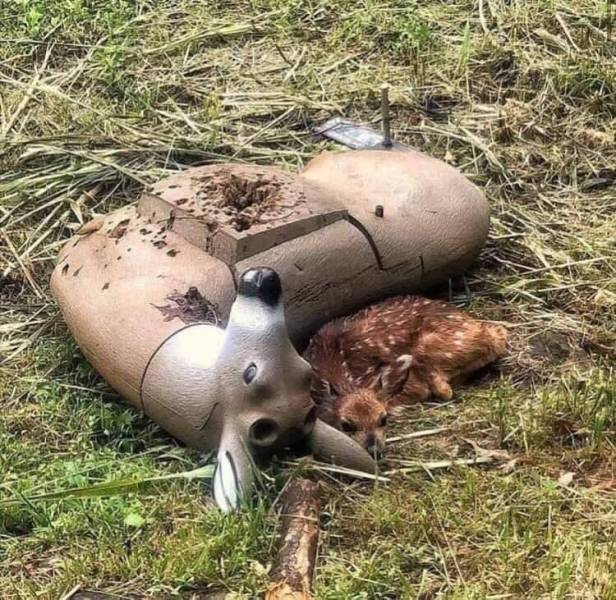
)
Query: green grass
[{"x": 98, "y": 98}]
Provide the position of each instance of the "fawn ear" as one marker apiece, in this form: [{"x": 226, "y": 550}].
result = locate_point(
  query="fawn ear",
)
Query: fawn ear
[
  {"x": 395, "y": 375},
  {"x": 321, "y": 390},
  {"x": 324, "y": 397}
]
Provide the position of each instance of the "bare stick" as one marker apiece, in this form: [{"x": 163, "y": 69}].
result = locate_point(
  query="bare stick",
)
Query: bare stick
[
  {"x": 562, "y": 23},
  {"x": 482, "y": 18},
  {"x": 299, "y": 533},
  {"x": 24, "y": 269},
  {"x": 417, "y": 434},
  {"x": 412, "y": 466}
]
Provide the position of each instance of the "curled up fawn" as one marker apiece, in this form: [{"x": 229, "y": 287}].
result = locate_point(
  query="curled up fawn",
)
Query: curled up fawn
[{"x": 402, "y": 350}]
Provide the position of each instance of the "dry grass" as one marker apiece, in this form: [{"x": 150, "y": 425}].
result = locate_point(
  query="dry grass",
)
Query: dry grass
[{"x": 98, "y": 98}]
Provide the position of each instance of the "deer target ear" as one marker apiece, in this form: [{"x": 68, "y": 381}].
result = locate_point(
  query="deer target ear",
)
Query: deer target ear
[{"x": 235, "y": 471}]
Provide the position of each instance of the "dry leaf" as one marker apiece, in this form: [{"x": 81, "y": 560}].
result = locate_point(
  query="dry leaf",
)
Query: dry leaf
[
  {"x": 509, "y": 466},
  {"x": 91, "y": 226},
  {"x": 604, "y": 486},
  {"x": 566, "y": 479},
  {"x": 486, "y": 453}
]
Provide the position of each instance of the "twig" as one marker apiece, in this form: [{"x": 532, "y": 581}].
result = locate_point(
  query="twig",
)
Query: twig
[
  {"x": 417, "y": 434},
  {"x": 482, "y": 18},
  {"x": 326, "y": 467},
  {"x": 413, "y": 467},
  {"x": 567, "y": 264},
  {"x": 23, "y": 267},
  {"x": 70, "y": 593},
  {"x": 28, "y": 93},
  {"x": 560, "y": 19}
]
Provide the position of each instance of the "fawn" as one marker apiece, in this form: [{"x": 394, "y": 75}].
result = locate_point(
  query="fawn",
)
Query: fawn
[{"x": 404, "y": 349}]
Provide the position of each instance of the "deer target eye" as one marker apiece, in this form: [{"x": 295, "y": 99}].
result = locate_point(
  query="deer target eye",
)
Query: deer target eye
[
  {"x": 250, "y": 372},
  {"x": 382, "y": 421},
  {"x": 348, "y": 427}
]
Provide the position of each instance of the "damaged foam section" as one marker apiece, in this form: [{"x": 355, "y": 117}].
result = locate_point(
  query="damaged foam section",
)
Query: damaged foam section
[
  {"x": 190, "y": 307},
  {"x": 242, "y": 200},
  {"x": 235, "y": 211},
  {"x": 237, "y": 197}
]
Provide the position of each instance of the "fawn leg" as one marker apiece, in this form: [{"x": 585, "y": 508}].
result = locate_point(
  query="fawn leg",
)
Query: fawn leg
[
  {"x": 440, "y": 387},
  {"x": 415, "y": 390}
]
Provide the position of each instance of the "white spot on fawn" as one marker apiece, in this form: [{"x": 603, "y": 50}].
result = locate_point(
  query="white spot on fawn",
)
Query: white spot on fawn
[{"x": 405, "y": 360}]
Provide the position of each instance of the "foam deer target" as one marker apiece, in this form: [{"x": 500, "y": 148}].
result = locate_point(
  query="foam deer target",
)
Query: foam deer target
[{"x": 165, "y": 303}]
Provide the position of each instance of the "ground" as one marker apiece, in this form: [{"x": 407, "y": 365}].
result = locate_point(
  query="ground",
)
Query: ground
[{"x": 98, "y": 98}]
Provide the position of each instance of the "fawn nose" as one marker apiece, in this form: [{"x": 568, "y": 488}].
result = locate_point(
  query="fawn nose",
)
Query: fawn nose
[
  {"x": 374, "y": 446},
  {"x": 262, "y": 283}
]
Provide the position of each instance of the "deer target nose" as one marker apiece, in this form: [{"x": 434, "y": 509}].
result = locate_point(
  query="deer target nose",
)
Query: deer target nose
[
  {"x": 264, "y": 432},
  {"x": 262, "y": 283}
]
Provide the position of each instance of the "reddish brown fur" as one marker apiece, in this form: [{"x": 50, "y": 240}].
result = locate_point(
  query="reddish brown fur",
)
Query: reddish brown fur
[{"x": 402, "y": 350}]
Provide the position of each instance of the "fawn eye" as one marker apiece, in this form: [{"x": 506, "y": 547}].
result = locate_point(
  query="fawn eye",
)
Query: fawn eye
[
  {"x": 250, "y": 372},
  {"x": 382, "y": 421},
  {"x": 348, "y": 427}
]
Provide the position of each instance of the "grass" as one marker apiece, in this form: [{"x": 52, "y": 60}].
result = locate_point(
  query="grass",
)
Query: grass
[{"x": 98, "y": 98}]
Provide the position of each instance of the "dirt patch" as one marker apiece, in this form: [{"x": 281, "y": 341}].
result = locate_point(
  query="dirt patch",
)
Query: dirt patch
[
  {"x": 543, "y": 356},
  {"x": 10, "y": 288},
  {"x": 190, "y": 307},
  {"x": 551, "y": 344}
]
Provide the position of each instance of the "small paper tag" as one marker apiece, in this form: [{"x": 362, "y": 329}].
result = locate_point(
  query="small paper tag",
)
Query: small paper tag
[{"x": 353, "y": 135}]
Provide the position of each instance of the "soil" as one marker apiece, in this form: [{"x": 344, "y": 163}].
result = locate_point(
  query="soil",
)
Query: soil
[{"x": 10, "y": 288}]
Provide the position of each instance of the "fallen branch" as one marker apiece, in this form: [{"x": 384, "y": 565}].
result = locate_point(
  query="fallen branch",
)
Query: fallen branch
[{"x": 299, "y": 533}]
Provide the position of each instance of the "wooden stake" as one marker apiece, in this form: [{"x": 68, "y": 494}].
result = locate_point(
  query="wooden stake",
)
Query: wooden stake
[{"x": 385, "y": 121}]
